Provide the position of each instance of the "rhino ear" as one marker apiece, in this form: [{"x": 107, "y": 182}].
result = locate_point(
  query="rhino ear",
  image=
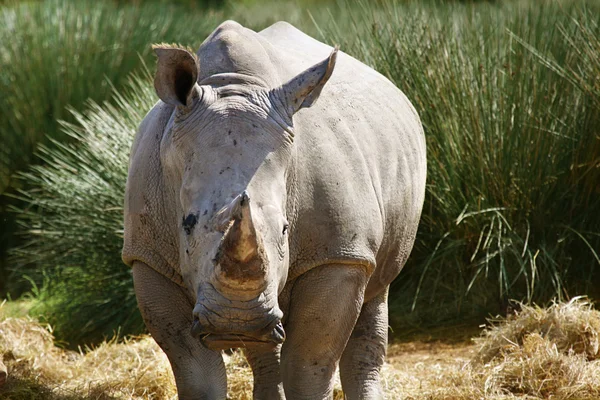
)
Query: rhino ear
[
  {"x": 176, "y": 74},
  {"x": 304, "y": 89}
]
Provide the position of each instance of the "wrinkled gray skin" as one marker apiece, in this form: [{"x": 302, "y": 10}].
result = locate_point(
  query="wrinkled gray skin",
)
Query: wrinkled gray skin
[{"x": 273, "y": 194}]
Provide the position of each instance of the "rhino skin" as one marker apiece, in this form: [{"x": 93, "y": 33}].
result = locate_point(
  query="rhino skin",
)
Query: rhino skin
[{"x": 274, "y": 193}]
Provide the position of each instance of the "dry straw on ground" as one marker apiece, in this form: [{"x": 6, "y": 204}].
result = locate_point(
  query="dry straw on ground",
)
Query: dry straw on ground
[
  {"x": 535, "y": 354},
  {"x": 572, "y": 326}
]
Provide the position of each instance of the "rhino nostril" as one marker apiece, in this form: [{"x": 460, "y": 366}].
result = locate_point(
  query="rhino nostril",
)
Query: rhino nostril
[
  {"x": 198, "y": 331},
  {"x": 278, "y": 334}
]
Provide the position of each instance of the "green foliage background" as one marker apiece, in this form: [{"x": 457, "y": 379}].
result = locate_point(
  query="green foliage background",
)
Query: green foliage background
[{"x": 509, "y": 94}]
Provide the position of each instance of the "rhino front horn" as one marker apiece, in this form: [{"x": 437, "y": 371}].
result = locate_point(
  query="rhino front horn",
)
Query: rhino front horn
[{"x": 240, "y": 242}]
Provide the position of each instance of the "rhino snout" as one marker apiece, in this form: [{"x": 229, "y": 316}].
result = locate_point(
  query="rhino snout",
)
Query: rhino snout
[
  {"x": 216, "y": 339},
  {"x": 222, "y": 323}
]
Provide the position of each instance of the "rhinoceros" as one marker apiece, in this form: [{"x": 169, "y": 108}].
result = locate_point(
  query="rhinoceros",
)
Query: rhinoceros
[{"x": 273, "y": 194}]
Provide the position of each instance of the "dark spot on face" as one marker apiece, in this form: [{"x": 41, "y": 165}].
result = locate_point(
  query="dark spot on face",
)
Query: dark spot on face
[
  {"x": 205, "y": 212},
  {"x": 188, "y": 223},
  {"x": 234, "y": 142}
]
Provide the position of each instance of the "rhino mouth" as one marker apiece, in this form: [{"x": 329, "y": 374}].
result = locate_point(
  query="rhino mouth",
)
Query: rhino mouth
[
  {"x": 230, "y": 341},
  {"x": 223, "y": 341}
]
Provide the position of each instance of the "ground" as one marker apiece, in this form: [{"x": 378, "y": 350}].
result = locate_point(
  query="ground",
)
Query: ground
[
  {"x": 537, "y": 353},
  {"x": 412, "y": 361}
]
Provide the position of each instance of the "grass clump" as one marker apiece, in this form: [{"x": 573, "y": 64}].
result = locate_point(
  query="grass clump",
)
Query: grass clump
[
  {"x": 570, "y": 327},
  {"x": 135, "y": 369},
  {"x": 538, "y": 368},
  {"x": 538, "y": 353},
  {"x": 542, "y": 352}
]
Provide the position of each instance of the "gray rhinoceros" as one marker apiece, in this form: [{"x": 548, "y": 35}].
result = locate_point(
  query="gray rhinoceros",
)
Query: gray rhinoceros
[{"x": 273, "y": 194}]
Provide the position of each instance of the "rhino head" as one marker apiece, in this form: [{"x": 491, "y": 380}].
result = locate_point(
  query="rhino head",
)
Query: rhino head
[{"x": 228, "y": 155}]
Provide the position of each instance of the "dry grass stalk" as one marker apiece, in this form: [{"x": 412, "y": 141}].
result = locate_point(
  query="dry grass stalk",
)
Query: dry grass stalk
[{"x": 574, "y": 325}]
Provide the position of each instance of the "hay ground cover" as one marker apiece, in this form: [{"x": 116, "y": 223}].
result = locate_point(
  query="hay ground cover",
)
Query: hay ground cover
[{"x": 536, "y": 353}]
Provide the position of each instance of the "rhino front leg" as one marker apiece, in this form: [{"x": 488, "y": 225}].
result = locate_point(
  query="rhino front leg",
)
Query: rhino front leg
[
  {"x": 361, "y": 363},
  {"x": 266, "y": 371},
  {"x": 167, "y": 311},
  {"x": 324, "y": 307}
]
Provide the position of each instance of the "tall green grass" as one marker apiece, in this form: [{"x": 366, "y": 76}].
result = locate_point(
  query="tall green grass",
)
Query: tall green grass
[
  {"x": 58, "y": 52},
  {"x": 506, "y": 93},
  {"x": 510, "y": 101}
]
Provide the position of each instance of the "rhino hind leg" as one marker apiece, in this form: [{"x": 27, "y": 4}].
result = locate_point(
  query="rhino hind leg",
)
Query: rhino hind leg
[
  {"x": 361, "y": 363},
  {"x": 325, "y": 304},
  {"x": 167, "y": 311}
]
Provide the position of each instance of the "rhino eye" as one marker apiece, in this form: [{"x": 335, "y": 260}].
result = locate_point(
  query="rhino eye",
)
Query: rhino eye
[
  {"x": 285, "y": 229},
  {"x": 188, "y": 223}
]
